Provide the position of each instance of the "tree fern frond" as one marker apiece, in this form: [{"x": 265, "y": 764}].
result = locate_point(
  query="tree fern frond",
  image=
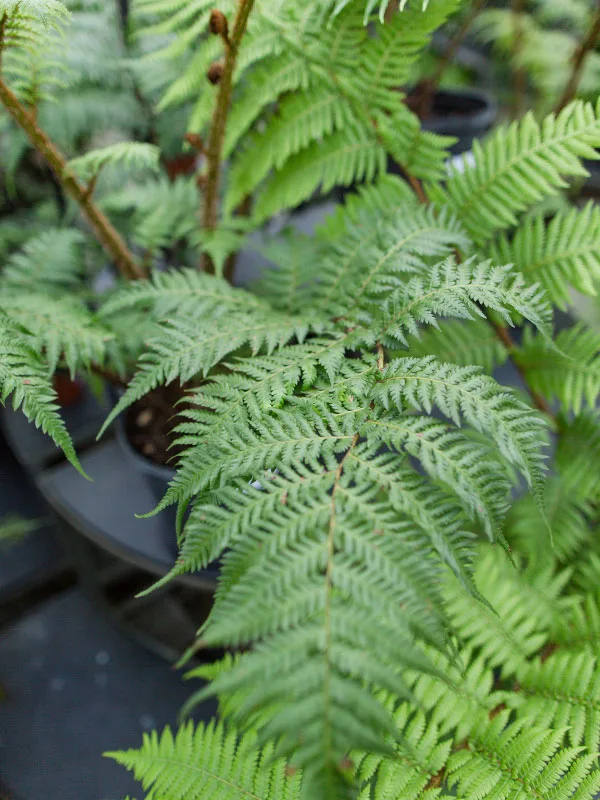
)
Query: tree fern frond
[
  {"x": 558, "y": 256},
  {"x": 373, "y": 256},
  {"x": 136, "y": 157},
  {"x": 450, "y": 457},
  {"x": 186, "y": 291},
  {"x": 578, "y": 455},
  {"x": 458, "y": 290},
  {"x": 565, "y": 516},
  {"x": 302, "y": 118},
  {"x": 24, "y": 376},
  {"x": 524, "y": 604},
  {"x": 185, "y": 348},
  {"x": 50, "y": 262},
  {"x": 420, "y": 153},
  {"x": 60, "y": 327},
  {"x": 464, "y": 392},
  {"x": 571, "y": 375},
  {"x": 413, "y": 771},
  {"x": 503, "y": 760},
  {"x": 346, "y": 157},
  {"x": 519, "y": 166},
  {"x": 204, "y": 761},
  {"x": 263, "y": 86},
  {"x": 562, "y": 691},
  {"x": 460, "y": 342},
  {"x": 398, "y": 43}
]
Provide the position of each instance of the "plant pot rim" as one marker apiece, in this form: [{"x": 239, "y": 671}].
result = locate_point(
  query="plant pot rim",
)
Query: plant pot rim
[
  {"x": 481, "y": 117},
  {"x": 160, "y": 471}
]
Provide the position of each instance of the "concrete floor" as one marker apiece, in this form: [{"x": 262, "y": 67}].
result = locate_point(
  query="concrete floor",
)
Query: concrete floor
[{"x": 75, "y": 685}]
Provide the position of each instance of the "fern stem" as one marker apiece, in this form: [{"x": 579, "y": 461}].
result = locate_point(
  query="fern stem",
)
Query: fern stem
[
  {"x": 579, "y": 59},
  {"x": 503, "y": 334},
  {"x": 216, "y": 139},
  {"x": 329, "y": 592},
  {"x": 103, "y": 229}
]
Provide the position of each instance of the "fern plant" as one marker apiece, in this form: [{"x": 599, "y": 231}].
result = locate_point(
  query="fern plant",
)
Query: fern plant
[{"x": 410, "y": 604}]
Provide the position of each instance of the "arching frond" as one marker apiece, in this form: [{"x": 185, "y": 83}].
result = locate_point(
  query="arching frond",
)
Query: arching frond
[
  {"x": 50, "y": 262},
  {"x": 463, "y": 392},
  {"x": 559, "y": 256},
  {"x": 133, "y": 157},
  {"x": 571, "y": 375},
  {"x": 457, "y": 290},
  {"x": 518, "y": 166},
  {"x": 578, "y": 455},
  {"x": 62, "y": 328},
  {"x": 208, "y": 760},
  {"x": 24, "y": 376}
]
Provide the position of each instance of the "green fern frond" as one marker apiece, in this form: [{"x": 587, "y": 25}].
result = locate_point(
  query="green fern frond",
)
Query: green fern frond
[
  {"x": 562, "y": 691},
  {"x": 565, "y": 516},
  {"x": 460, "y": 342},
  {"x": 518, "y": 166},
  {"x": 464, "y": 392},
  {"x": 374, "y": 256},
  {"x": 413, "y": 772},
  {"x": 133, "y": 157},
  {"x": 345, "y": 158},
  {"x": 301, "y": 120},
  {"x": 185, "y": 348},
  {"x": 203, "y": 761},
  {"x": 60, "y": 327},
  {"x": 24, "y": 376},
  {"x": 420, "y": 153},
  {"x": 397, "y": 44},
  {"x": 457, "y": 290},
  {"x": 578, "y": 455},
  {"x": 452, "y": 458},
  {"x": 186, "y": 291},
  {"x": 516, "y": 760},
  {"x": 558, "y": 256},
  {"x": 524, "y": 604},
  {"x": 571, "y": 375},
  {"x": 50, "y": 262}
]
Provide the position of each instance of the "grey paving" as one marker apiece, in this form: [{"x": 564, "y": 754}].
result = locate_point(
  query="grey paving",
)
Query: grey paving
[{"x": 76, "y": 687}]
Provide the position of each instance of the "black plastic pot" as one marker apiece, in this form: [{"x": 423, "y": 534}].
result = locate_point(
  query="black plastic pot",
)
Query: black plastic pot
[{"x": 466, "y": 114}]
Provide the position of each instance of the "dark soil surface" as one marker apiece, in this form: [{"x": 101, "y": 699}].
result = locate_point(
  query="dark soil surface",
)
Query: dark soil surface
[{"x": 149, "y": 424}]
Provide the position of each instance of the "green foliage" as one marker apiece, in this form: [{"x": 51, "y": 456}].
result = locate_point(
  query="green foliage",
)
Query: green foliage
[
  {"x": 207, "y": 761},
  {"x": 24, "y": 377},
  {"x": 572, "y": 375},
  {"x": 560, "y": 255},
  {"x": 518, "y": 166},
  {"x": 130, "y": 156}
]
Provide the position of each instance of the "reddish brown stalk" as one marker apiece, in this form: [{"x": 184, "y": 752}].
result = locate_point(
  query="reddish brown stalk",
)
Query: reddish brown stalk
[
  {"x": 503, "y": 334},
  {"x": 214, "y": 147},
  {"x": 103, "y": 229},
  {"x": 578, "y": 61}
]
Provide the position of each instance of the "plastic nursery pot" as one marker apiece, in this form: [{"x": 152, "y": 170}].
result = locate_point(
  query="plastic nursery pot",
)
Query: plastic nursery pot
[{"x": 466, "y": 114}]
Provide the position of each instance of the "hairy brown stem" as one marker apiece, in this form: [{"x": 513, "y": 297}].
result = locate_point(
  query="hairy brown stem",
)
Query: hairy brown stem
[
  {"x": 214, "y": 146},
  {"x": 578, "y": 61},
  {"x": 428, "y": 87},
  {"x": 103, "y": 229}
]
